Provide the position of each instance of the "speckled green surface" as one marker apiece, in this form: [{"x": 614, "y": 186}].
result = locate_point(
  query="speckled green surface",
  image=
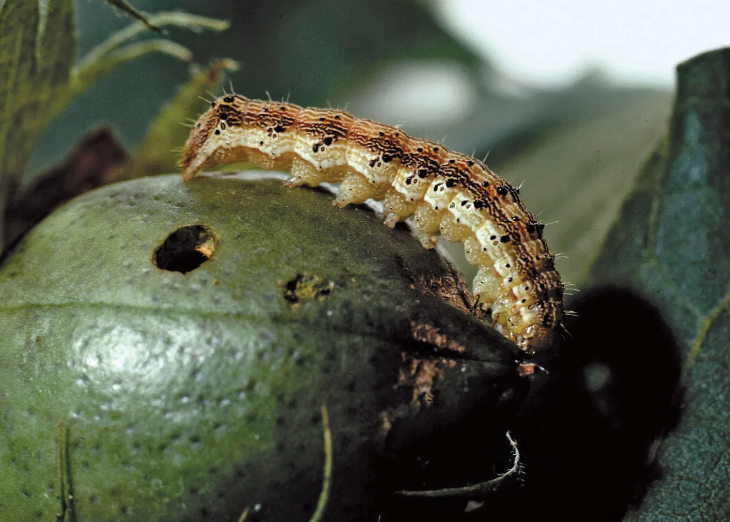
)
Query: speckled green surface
[{"x": 193, "y": 396}]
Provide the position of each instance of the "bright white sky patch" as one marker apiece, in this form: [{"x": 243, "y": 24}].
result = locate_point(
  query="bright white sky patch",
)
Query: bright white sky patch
[{"x": 555, "y": 42}]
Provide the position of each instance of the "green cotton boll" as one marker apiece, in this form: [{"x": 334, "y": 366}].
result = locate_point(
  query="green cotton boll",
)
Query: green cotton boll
[{"x": 185, "y": 337}]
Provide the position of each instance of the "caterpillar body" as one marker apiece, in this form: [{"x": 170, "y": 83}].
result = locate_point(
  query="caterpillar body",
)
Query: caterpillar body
[{"x": 445, "y": 193}]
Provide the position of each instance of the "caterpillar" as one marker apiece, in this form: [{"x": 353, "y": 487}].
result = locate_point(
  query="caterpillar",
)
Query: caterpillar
[{"x": 444, "y": 193}]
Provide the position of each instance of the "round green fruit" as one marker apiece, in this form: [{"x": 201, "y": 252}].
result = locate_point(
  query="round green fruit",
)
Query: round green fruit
[{"x": 167, "y": 349}]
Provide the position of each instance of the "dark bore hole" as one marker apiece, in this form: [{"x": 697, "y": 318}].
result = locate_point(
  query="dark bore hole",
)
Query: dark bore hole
[{"x": 186, "y": 249}]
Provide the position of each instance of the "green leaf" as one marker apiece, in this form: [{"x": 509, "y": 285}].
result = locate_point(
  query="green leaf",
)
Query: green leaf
[
  {"x": 117, "y": 49},
  {"x": 156, "y": 155},
  {"x": 671, "y": 242},
  {"x": 174, "y": 19},
  {"x": 29, "y": 76},
  {"x": 58, "y": 45},
  {"x": 98, "y": 69},
  {"x": 124, "y": 6},
  {"x": 37, "y": 76}
]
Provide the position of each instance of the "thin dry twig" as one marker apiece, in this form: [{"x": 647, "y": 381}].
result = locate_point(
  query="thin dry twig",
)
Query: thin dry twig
[{"x": 475, "y": 491}]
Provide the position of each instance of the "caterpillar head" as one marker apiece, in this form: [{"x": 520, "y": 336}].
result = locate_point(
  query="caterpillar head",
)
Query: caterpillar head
[{"x": 208, "y": 142}]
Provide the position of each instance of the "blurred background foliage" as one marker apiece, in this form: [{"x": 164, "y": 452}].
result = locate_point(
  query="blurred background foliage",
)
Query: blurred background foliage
[{"x": 575, "y": 150}]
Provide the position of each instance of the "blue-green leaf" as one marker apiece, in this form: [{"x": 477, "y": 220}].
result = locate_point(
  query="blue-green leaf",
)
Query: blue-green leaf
[{"x": 672, "y": 243}]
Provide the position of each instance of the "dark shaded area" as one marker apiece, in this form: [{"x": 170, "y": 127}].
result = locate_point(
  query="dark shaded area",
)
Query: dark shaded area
[
  {"x": 91, "y": 164},
  {"x": 444, "y": 457},
  {"x": 587, "y": 428},
  {"x": 186, "y": 249}
]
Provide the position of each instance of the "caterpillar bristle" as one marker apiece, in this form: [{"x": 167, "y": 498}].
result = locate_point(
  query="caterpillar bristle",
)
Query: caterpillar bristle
[{"x": 565, "y": 331}]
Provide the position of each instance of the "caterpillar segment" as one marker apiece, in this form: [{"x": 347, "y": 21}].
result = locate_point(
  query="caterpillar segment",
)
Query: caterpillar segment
[{"x": 443, "y": 193}]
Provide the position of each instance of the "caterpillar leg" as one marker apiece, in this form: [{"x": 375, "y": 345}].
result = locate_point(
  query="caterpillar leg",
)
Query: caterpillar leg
[
  {"x": 487, "y": 287},
  {"x": 427, "y": 240},
  {"x": 452, "y": 230},
  {"x": 427, "y": 222},
  {"x": 397, "y": 207},
  {"x": 356, "y": 188},
  {"x": 269, "y": 161},
  {"x": 475, "y": 253},
  {"x": 304, "y": 173}
]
